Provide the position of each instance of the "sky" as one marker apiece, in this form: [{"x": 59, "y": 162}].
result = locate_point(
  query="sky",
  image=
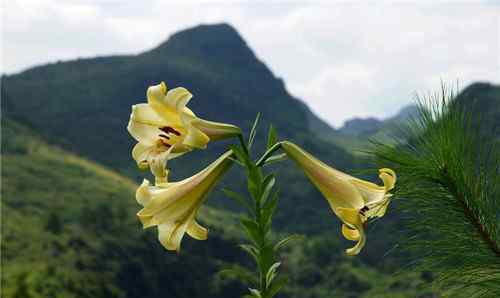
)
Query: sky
[{"x": 344, "y": 59}]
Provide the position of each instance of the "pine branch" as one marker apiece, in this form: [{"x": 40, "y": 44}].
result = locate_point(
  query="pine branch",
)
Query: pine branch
[
  {"x": 449, "y": 188},
  {"x": 474, "y": 219}
]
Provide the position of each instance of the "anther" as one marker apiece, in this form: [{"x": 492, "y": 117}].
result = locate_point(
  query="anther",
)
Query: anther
[{"x": 168, "y": 129}]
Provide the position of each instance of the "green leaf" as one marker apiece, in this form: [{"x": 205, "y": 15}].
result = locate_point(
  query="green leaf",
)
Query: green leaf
[
  {"x": 271, "y": 273},
  {"x": 236, "y": 161},
  {"x": 253, "y": 131},
  {"x": 267, "y": 154},
  {"x": 286, "y": 240},
  {"x": 272, "y": 137},
  {"x": 252, "y": 230},
  {"x": 251, "y": 250},
  {"x": 276, "y": 287},
  {"x": 266, "y": 259},
  {"x": 269, "y": 208},
  {"x": 255, "y": 293},
  {"x": 268, "y": 184},
  {"x": 276, "y": 158},
  {"x": 254, "y": 182},
  {"x": 238, "y": 198},
  {"x": 240, "y": 155}
]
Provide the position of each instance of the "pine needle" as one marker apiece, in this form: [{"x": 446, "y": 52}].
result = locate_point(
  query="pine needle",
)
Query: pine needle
[{"x": 449, "y": 185}]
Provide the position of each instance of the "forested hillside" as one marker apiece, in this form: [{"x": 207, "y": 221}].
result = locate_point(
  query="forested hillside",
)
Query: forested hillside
[
  {"x": 68, "y": 206},
  {"x": 84, "y": 106},
  {"x": 69, "y": 230}
]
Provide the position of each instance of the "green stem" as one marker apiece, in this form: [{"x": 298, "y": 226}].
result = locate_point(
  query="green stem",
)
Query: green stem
[{"x": 258, "y": 216}]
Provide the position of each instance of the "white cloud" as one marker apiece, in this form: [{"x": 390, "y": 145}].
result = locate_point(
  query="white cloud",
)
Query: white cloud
[{"x": 343, "y": 59}]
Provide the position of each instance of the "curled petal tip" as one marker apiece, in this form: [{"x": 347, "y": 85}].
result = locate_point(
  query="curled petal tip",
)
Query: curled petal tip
[
  {"x": 388, "y": 176},
  {"x": 350, "y": 234},
  {"x": 163, "y": 87}
]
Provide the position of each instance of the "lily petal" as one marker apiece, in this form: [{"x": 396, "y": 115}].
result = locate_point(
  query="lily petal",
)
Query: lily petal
[
  {"x": 389, "y": 178},
  {"x": 352, "y": 218},
  {"x": 178, "y": 98},
  {"x": 143, "y": 133},
  {"x": 350, "y": 234},
  {"x": 173, "y": 206},
  {"x": 140, "y": 153},
  {"x": 196, "y": 138},
  {"x": 216, "y": 130},
  {"x": 196, "y": 231},
  {"x": 370, "y": 192},
  {"x": 338, "y": 191},
  {"x": 158, "y": 100},
  {"x": 170, "y": 235},
  {"x": 145, "y": 114}
]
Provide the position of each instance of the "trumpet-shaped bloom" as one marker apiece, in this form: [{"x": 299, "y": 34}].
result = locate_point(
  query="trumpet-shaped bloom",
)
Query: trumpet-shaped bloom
[
  {"x": 172, "y": 206},
  {"x": 353, "y": 200},
  {"x": 165, "y": 128}
]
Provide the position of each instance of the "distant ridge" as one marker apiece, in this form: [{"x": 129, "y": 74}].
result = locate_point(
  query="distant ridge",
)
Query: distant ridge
[
  {"x": 84, "y": 105},
  {"x": 209, "y": 41}
]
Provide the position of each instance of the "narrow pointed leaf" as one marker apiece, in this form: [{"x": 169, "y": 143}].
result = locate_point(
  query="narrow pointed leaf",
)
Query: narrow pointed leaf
[
  {"x": 276, "y": 158},
  {"x": 255, "y": 182},
  {"x": 251, "y": 250},
  {"x": 269, "y": 208},
  {"x": 272, "y": 137},
  {"x": 286, "y": 240},
  {"x": 271, "y": 273},
  {"x": 269, "y": 182},
  {"x": 239, "y": 153},
  {"x": 253, "y": 131},
  {"x": 255, "y": 293},
  {"x": 252, "y": 230},
  {"x": 236, "y": 161},
  {"x": 266, "y": 259}
]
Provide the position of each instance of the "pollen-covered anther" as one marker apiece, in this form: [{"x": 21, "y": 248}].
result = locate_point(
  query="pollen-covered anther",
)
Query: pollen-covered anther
[
  {"x": 363, "y": 210},
  {"x": 168, "y": 130}
]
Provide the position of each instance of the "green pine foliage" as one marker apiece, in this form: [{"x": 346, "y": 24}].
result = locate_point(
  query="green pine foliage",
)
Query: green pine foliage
[{"x": 449, "y": 191}]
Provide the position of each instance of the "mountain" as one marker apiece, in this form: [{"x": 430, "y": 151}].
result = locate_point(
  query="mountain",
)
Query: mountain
[
  {"x": 68, "y": 208},
  {"x": 361, "y": 126},
  {"x": 357, "y": 133},
  {"x": 84, "y": 106},
  {"x": 483, "y": 100}
]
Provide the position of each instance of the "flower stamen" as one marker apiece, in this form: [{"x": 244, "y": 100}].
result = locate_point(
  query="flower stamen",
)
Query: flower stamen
[{"x": 168, "y": 130}]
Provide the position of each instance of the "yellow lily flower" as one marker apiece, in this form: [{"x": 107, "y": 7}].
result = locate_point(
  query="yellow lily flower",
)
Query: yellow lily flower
[
  {"x": 353, "y": 200},
  {"x": 165, "y": 128},
  {"x": 172, "y": 206}
]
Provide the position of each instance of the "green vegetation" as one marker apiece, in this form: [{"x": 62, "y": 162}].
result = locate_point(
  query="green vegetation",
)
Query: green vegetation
[
  {"x": 68, "y": 223},
  {"x": 450, "y": 190},
  {"x": 84, "y": 106},
  {"x": 69, "y": 230}
]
